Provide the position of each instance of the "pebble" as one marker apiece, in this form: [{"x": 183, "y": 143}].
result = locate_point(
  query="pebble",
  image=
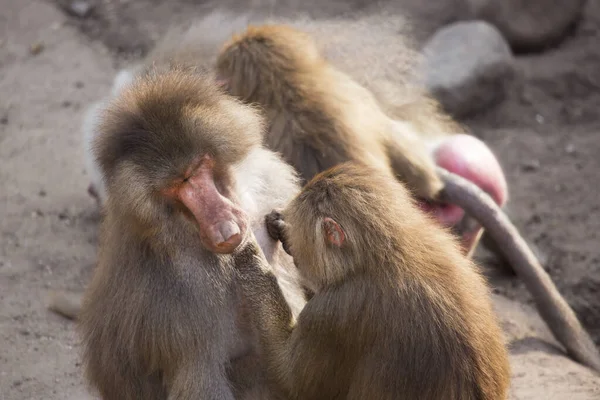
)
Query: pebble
[
  {"x": 36, "y": 48},
  {"x": 530, "y": 166},
  {"x": 570, "y": 148},
  {"x": 80, "y": 8},
  {"x": 468, "y": 67},
  {"x": 535, "y": 219},
  {"x": 37, "y": 213}
]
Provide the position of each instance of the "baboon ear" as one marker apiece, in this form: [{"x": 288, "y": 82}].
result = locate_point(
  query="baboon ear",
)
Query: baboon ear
[
  {"x": 334, "y": 234},
  {"x": 223, "y": 83}
]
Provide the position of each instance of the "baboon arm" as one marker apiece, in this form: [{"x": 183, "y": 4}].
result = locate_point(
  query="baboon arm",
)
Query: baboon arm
[
  {"x": 271, "y": 312},
  {"x": 412, "y": 164},
  {"x": 295, "y": 352},
  {"x": 273, "y": 316}
]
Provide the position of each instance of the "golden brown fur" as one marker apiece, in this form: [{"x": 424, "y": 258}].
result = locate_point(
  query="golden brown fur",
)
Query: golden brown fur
[
  {"x": 398, "y": 311},
  {"x": 387, "y": 63},
  {"x": 163, "y": 317},
  {"x": 318, "y": 116},
  {"x": 352, "y": 82},
  {"x": 380, "y": 60}
]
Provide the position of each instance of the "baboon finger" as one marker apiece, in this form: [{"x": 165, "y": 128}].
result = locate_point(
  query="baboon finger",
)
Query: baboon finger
[{"x": 276, "y": 227}]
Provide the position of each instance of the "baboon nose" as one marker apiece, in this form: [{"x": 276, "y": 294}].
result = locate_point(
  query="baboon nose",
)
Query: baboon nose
[{"x": 226, "y": 236}]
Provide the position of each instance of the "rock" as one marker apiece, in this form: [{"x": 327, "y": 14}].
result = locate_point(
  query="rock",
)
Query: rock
[
  {"x": 468, "y": 67},
  {"x": 36, "y": 48},
  {"x": 530, "y": 165},
  {"x": 529, "y": 24},
  {"x": 570, "y": 148},
  {"x": 79, "y": 8}
]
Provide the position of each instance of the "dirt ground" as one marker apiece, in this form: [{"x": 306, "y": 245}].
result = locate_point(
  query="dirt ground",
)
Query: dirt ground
[
  {"x": 52, "y": 65},
  {"x": 547, "y": 136}
]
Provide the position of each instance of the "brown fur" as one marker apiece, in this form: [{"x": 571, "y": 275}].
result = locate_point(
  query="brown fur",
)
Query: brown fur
[
  {"x": 387, "y": 63},
  {"x": 162, "y": 316},
  {"x": 319, "y": 116},
  {"x": 398, "y": 311},
  {"x": 381, "y": 60}
]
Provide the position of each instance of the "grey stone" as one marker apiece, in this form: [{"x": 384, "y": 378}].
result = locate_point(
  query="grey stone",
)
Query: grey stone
[
  {"x": 529, "y": 24},
  {"x": 468, "y": 67},
  {"x": 80, "y": 8}
]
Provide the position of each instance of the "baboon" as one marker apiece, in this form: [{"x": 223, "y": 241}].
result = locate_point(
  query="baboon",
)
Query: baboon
[
  {"x": 323, "y": 110},
  {"x": 398, "y": 311},
  {"x": 318, "y": 116},
  {"x": 185, "y": 176},
  {"x": 382, "y": 62}
]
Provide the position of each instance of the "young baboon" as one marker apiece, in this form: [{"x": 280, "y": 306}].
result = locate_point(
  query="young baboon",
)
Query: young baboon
[
  {"x": 318, "y": 116},
  {"x": 185, "y": 176},
  {"x": 398, "y": 311}
]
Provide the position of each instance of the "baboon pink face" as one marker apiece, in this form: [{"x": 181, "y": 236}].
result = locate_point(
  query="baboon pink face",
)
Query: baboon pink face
[{"x": 222, "y": 224}]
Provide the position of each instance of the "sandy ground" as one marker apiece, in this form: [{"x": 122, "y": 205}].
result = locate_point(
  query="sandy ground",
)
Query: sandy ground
[{"x": 546, "y": 134}]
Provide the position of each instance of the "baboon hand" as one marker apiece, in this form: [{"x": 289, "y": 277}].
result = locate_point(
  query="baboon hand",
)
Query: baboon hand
[{"x": 276, "y": 227}]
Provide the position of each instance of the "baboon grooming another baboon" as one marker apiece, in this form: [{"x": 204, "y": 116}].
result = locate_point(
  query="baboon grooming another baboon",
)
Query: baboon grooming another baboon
[
  {"x": 381, "y": 62},
  {"x": 320, "y": 117},
  {"x": 398, "y": 311}
]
